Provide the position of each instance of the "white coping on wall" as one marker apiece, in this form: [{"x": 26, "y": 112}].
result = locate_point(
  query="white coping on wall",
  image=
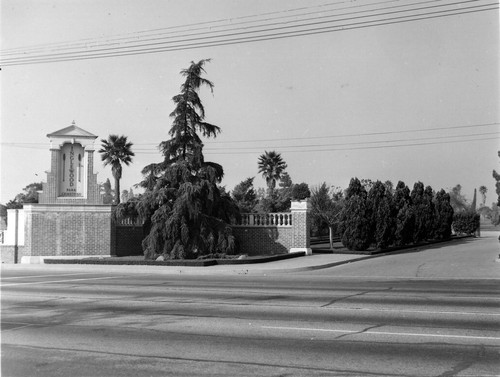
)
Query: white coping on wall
[
  {"x": 40, "y": 259},
  {"x": 103, "y": 208},
  {"x": 307, "y": 250}
]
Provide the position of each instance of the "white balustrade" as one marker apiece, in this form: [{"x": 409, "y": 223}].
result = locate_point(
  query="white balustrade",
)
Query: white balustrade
[{"x": 266, "y": 219}]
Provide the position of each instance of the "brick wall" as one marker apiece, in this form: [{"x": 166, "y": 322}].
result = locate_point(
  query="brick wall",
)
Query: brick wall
[
  {"x": 269, "y": 234},
  {"x": 267, "y": 240},
  {"x": 75, "y": 230}
]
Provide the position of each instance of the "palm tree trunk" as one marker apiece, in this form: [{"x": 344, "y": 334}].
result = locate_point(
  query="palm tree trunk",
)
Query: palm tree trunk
[{"x": 117, "y": 190}]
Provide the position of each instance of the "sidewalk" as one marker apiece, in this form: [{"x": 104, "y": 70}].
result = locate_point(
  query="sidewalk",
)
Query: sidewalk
[
  {"x": 305, "y": 263},
  {"x": 298, "y": 264}
]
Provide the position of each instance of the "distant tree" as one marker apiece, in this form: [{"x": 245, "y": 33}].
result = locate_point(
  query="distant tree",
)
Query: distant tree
[
  {"x": 107, "y": 192},
  {"x": 244, "y": 195},
  {"x": 483, "y": 190},
  {"x": 285, "y": 181},
  {"x": 272, "y": 166},
  {"x": 3, "y": 210},
  {"x": 355, "y": 218},
  {"x": 474, "y": 201},
  {"x": 496, "y": 176},
  {"x": 495, "y": 214},
  {"x": 115, "y": 151},
  {"x": 457, "y": 199},
  {"x": 326, "y": 207},
  {"x": 300, "y": 191},
  {"x": 29, "y": 195},
  {"x": 188, "y": 214},
  {"x": 280, "y": 199},
  {"x": 125, "y": 196}
]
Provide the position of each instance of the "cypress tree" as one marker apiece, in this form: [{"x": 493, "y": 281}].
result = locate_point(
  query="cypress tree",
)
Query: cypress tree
[
  {"x": 419, "y": 210},
  {"x": 380, "y": 208},
  {"x": 405, "y": 219},
  {"x": 444, "y": 215},
  {"x": 355, "y": 224}
]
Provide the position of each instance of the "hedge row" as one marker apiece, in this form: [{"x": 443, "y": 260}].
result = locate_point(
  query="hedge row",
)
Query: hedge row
[
  {"x": 466, "y": 222},
  {"x": 382, "y": 217}
]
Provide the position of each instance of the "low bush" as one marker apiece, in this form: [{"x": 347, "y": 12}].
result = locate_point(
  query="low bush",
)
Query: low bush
[{"x": 465, "y": 222}]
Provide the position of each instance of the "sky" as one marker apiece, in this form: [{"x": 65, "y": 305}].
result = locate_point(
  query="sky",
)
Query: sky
[{"x": 411, "y": 101}]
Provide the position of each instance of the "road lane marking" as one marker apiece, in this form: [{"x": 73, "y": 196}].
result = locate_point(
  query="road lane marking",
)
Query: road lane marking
[
  {"x": 16, "y": 328},
  {"x": 412, "y": 311},
  {"x": 381, "y": 333},
  {"x": 57, "y": 281},
  {"x": 43, "y": 276}
]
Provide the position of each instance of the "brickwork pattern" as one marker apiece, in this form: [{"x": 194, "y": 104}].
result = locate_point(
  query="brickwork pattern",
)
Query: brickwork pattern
[
  {"x": 263, "y": 240},
  {"x": 68, "y": 231},
  {"x": 301, "y": 229}
]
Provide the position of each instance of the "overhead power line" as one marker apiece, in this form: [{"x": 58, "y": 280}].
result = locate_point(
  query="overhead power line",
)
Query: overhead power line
[
  {"x": 329, "y": 147},
  {"x": 264, "y": 32},
  {"x": 205, "y": 26}
]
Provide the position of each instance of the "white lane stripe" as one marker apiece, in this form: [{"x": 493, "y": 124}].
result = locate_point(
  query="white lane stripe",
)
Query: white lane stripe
[
  {"x": 411, "y": 311},
  {"x": 43, "y": 276},
  {"x": 56, "y": 281},
  {"x": 381, "y": 333},
  {"x": 17, "y": 328}
]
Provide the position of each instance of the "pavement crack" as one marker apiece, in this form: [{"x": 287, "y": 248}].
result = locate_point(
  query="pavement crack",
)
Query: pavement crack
[
  {"x": 359, "y": 332},
  {"x": 354, "y": 295},
  {"x": 465, "y": 363},
  {"x": 417, "y": 272}
]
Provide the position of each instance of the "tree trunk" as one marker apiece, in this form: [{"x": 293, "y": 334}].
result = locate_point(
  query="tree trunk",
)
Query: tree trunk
[
  {"x": 117, "y": 190},
  {"x": 330, "y": 233}
]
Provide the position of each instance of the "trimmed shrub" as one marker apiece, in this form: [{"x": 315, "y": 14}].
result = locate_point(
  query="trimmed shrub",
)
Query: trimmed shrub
[
  {"x": 404, "y": 215},
  {"x": 355, "y": 223},
  {"x": 419, "y": 207},
  {"x": 444, "y": 216},
  {"x": 379, "y": 202},
  {"x": 466, "y": 222}
]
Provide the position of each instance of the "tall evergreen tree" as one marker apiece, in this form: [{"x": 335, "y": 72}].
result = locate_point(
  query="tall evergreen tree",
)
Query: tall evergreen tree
[
  {"x": 444, "y": 215},
  {"x": 244, "y": 195},
  {"x": 381, "y": 215},
  {"x": 405, "y": 219},
  {"x": 355, "y": 218},
  {"x": 420, "y": 212},
  {"x": 429, "y": 213},
  {"x": 184, "y": 208}
]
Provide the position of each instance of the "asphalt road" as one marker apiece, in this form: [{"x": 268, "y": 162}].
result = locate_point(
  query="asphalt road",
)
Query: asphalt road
[{"x": 372, "y": 318}]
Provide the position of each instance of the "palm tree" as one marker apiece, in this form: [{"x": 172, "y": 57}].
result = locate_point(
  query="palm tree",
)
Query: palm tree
[
  {"x": 483, "y": 190},
  {"x": 115, "y": 151},
  {"x": 272, "y": 166}
]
